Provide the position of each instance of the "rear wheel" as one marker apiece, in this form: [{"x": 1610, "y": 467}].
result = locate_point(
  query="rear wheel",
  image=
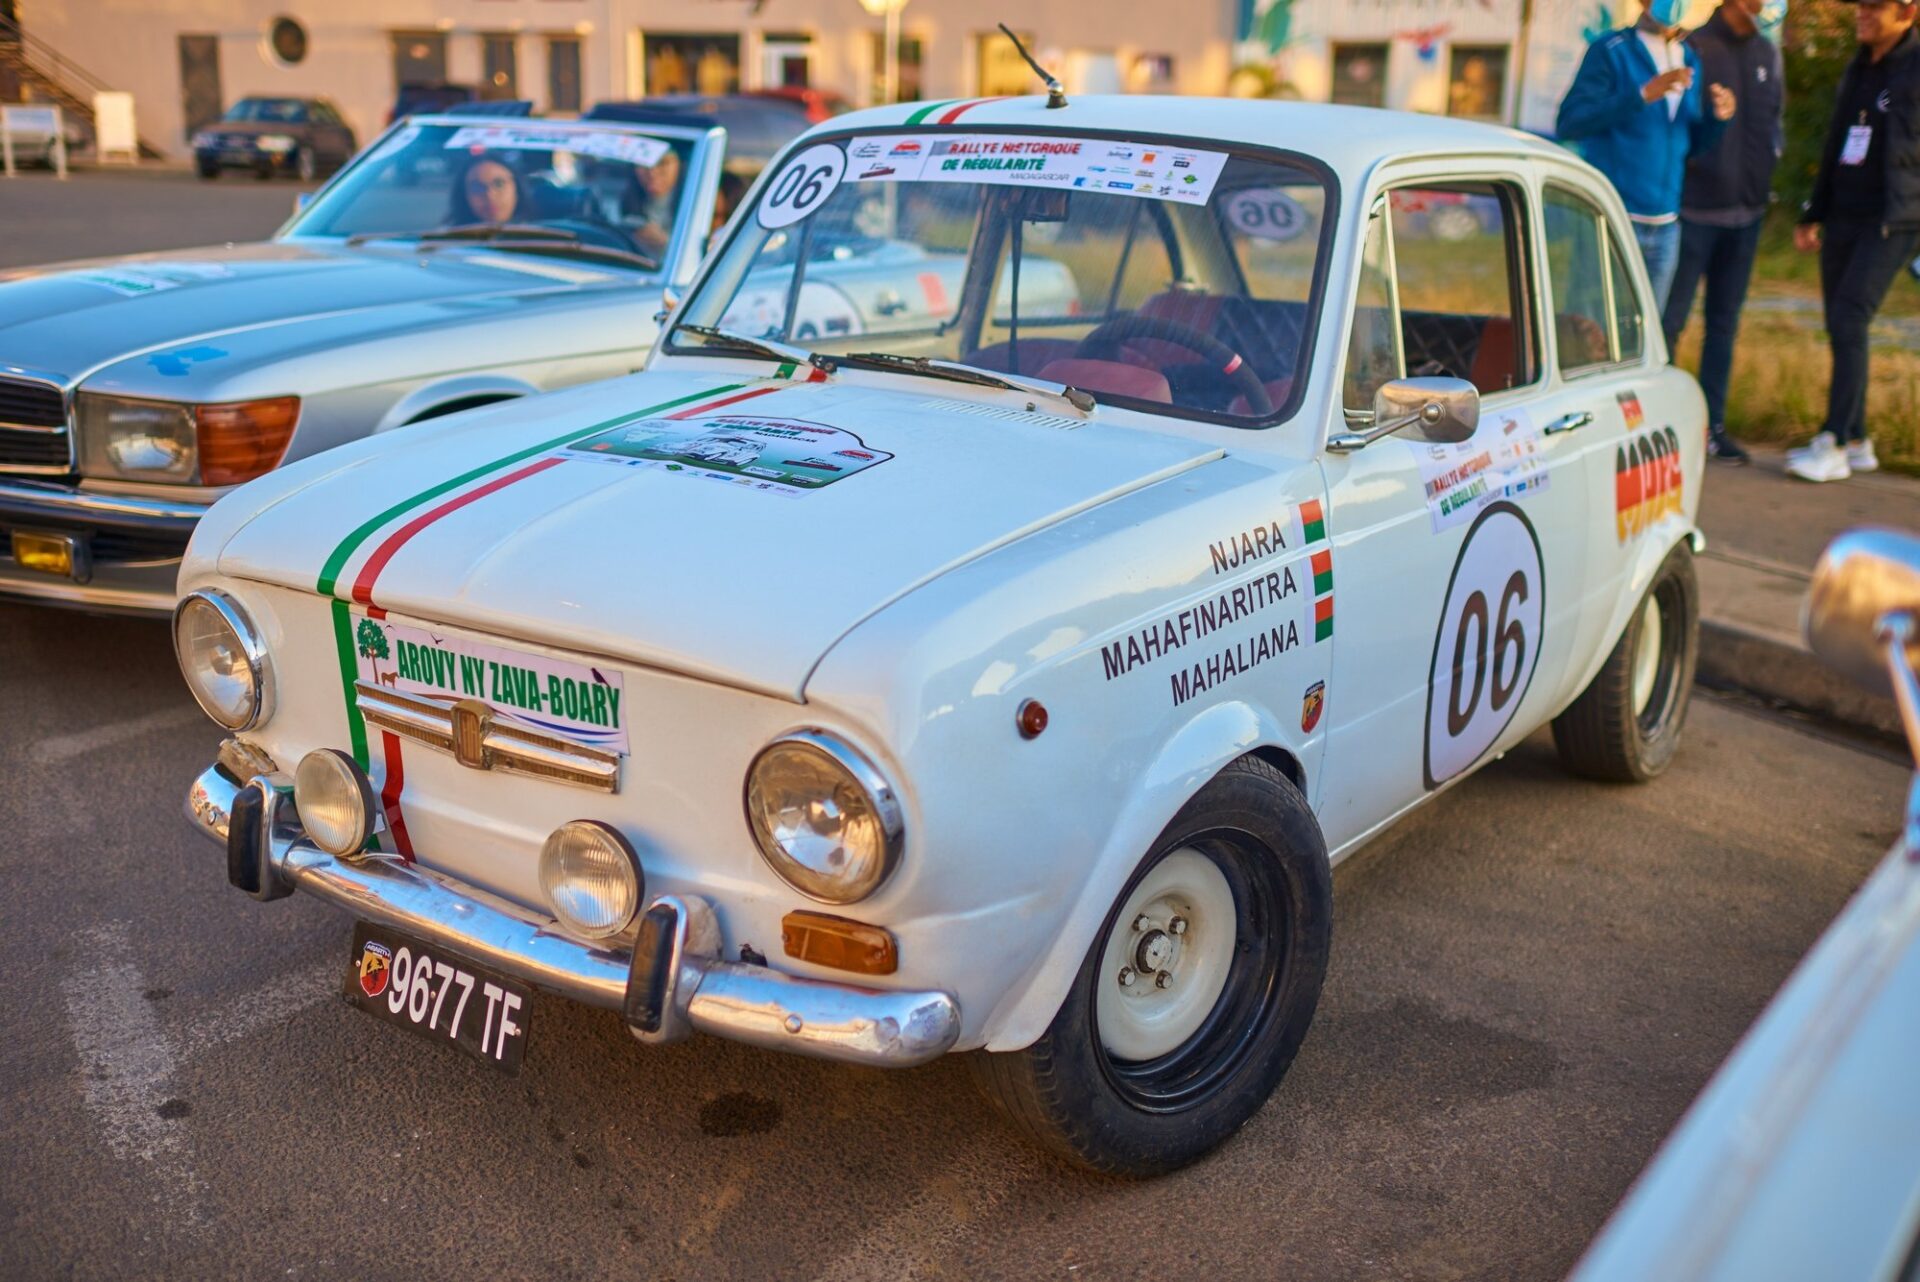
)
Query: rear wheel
[
  {"x": 1625, "y": 726},
  {"x": 1196, "y": 994}
]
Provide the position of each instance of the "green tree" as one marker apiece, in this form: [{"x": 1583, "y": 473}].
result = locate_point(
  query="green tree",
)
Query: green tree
[
  {"x": 1816, "y": 46},
  {"x": 372, "y": 639}
]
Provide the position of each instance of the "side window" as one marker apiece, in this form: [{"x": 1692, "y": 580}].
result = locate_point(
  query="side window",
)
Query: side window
[
  {"x": 1373, "y": 355},
  {"x": 1453, "y": 302},
  {"x": 1629, "y": 330},
  {"x": 1596, "y": 313}
]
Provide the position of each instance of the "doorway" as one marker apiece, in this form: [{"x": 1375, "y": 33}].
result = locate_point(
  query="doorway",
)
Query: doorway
[{"x": 200, "y": 99}]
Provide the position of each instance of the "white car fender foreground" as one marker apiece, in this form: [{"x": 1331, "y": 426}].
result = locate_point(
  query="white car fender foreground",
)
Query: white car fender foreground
[{"x": 1003, "y": 673}]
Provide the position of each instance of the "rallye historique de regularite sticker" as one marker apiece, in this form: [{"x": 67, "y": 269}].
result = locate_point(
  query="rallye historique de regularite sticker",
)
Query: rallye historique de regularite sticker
[{"x": 778, "y": 455}]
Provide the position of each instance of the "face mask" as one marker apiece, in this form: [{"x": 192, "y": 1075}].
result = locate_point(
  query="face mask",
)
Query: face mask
[{"x": 1667, "y": 12}]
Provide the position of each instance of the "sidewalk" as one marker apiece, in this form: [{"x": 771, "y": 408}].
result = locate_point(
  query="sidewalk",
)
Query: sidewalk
[{"x": 1764, "y": 532}]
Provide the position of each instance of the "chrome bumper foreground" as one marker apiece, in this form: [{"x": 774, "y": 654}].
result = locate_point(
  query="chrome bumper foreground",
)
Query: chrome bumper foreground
[{"x": 673, "y": 980}]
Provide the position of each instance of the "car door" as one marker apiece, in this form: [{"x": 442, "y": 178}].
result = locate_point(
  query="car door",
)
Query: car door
[
  {"x": 1625, "y": 442},
  {"x": 1458, "y": 563}
]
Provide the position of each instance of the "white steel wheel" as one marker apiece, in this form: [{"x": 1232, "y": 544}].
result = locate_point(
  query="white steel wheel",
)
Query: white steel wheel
[
  {"x": 1647, "y": 653},
  {"x": 1166, "y": 959}
]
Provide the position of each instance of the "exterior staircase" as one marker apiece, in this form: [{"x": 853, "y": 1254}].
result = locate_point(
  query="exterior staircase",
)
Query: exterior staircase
[{"x": 34, "y": 66}]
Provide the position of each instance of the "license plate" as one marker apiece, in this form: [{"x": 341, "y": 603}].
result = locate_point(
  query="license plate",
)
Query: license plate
[{"x": 397, "y": 978}]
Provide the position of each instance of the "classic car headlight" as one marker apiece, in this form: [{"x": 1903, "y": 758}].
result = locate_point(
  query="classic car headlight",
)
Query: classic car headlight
[
  {"x": 222, "y": 658},
  {"x": 591, "y": 878},
  {"x": 133, "y": 440},
  {"x": 825, "y": 819},
  {"x": 273, "y": 142}
]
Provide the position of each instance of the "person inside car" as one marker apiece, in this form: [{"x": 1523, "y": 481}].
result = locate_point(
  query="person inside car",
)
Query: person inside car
[
  {"x": 647, "y": 203},
  {"x": 486, "y": 191}
]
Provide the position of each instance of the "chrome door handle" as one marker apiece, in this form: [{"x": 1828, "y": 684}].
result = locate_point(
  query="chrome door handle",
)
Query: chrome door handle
[{"x": 1568, "y": 423}]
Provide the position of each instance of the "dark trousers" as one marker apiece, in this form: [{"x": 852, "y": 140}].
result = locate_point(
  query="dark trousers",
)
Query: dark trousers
[
  {"x": 1858, "y": 263},
  {"x": 1723, "y": 256}
]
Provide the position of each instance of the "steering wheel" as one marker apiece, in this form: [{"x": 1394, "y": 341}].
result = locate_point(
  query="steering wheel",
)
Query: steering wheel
[{"x": 1103, "y": 344}]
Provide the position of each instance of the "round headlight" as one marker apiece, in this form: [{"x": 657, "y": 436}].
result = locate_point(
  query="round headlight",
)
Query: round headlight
[
  {"x": 591, "y": 878},
  {"x": 824, "y": 818},
  {"x": 335, "y": 801},
  {"x": 222, "y": 658}
]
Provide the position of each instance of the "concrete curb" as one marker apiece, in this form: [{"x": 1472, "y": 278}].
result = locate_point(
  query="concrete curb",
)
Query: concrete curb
[{"x": 1733, "y": 657}]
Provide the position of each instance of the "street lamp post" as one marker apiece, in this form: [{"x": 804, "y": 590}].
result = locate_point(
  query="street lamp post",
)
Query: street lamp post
[{"x": 890, "y": 76}]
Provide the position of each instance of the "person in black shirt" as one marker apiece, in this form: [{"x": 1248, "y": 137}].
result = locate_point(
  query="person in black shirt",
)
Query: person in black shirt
[
  {"x": 1724, "y": 202},
  {"x": 1864, "y": 218}
]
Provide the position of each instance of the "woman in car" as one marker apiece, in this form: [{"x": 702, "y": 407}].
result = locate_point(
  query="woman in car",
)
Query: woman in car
[{"x": 486, "y": 191}]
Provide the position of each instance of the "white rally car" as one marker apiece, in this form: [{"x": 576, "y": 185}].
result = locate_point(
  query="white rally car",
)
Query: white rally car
[{"x": 1008, "y": 683}]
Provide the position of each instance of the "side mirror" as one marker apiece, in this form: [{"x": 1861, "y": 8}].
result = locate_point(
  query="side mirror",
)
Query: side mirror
[
  {"x": 1444, "y": 411},
  {"x": 669, "y": 299},
  {"x": 1862, "y": 615}
]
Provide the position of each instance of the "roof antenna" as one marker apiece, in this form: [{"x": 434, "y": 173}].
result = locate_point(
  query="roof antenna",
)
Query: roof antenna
[{"x": 1056, "y": 94}]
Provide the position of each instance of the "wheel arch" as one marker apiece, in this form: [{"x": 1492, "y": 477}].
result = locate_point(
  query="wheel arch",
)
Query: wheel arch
[
  {"x": 1646, "y": 559},
  {"x": 1197, "y": 751}
]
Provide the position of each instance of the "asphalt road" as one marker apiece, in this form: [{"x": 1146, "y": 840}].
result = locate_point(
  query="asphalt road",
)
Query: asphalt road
[
  {"x": 118, "y": 211},
  {"x": 1530, "y": 979}
]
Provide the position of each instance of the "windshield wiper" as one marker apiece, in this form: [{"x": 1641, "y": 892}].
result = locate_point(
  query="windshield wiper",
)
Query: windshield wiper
[
  {"x": 957, "y": 372},
  {"x": 715, "y": 337},
  {"x": 528, "y": 237}
]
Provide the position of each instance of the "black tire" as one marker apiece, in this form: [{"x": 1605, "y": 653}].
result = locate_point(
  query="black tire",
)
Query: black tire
[
  {"x": 1144, "y": 1118},
  {"x": 208, "y": 169},
  {"x": 1601, "y": 736}
]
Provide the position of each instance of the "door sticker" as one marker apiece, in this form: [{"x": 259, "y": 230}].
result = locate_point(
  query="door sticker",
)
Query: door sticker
[
  {"x": 1501, "y": 460},
  {"x": 1647, "y": 482},
  {"x": 1488, "y": 643}
]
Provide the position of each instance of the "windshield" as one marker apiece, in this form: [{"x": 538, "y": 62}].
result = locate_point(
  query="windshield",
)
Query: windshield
[
  {"x": 283, "y": 111},
  {"x": 607, "y": 187},
  {"x": 1146, "y": 272}
]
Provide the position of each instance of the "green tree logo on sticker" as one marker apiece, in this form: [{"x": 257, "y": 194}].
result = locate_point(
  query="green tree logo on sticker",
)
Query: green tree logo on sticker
[{"x": 372, "y": 639}]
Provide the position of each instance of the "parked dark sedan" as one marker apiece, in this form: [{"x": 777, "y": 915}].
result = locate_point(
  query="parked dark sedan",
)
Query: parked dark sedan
[{"x": 304, "y": 137}]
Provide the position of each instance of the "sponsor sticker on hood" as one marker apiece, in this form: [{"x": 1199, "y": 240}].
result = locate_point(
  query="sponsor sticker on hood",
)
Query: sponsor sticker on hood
[
  {"x": 552, "y": 696},
  {"x": 1013, "y": 160},
  {"x": 150, "y": 278},
  {"x": 776, "y": 455},
  {"x": 635, "y": 149}
]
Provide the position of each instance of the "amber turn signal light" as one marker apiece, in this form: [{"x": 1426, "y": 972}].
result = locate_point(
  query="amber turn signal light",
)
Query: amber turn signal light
[
  {"x": 839, "y": 943},
  {"x": 244, "y": 439}
]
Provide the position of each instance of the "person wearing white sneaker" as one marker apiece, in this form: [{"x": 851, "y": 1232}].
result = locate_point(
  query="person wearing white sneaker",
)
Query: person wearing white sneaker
[
  {"x": 1823, "y": 460},
  {"x": 1864, "y": 219}
]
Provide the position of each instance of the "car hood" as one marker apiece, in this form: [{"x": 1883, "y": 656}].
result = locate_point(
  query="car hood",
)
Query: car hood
[
  {"x": 70, "y": 319},
  {"x": 593, "y": 521}
]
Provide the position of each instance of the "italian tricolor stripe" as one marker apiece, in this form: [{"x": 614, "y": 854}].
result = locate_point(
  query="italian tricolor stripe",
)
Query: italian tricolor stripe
[
  {"x": 494, "y": 477},
  {"x": 920, "y": 116}
]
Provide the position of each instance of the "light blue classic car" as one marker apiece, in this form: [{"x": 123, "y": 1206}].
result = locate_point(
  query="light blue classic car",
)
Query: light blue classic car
[{"x": 460, "y": 259}]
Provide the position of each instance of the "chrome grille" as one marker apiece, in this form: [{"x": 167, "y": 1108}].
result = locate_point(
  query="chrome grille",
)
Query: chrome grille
[{"x": 33, "y": 427}]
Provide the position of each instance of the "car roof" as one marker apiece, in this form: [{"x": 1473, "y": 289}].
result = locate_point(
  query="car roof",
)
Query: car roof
[{"x": 1349, "y": 139}]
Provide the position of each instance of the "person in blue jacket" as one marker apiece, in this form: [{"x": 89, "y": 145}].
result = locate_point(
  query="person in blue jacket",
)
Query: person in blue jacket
[{"x": 1637, "y": 111}]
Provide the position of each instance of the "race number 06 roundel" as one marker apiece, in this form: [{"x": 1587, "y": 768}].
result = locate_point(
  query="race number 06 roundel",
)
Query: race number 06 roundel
[
  {"x": 802, "y": 185},
  {"x": 1489, "y": 641}
]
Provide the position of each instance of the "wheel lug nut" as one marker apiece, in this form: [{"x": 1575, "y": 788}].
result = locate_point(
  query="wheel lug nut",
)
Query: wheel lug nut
[
  {"x": 1143, "y": 923},
  {"x": 1178, "y": 925},
  {"x": 1163, "y": 980},
  {"x": 1127, "y": 977}
]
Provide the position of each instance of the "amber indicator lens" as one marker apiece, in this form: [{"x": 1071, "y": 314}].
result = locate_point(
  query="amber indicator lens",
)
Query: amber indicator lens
[
  {"x": 239, "y": 442},
  {"x": 839, "y": 943}
]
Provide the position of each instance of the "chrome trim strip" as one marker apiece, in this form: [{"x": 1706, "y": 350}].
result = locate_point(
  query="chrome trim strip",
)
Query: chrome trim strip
[
  {"x": 66, "y": 502},
  {"x": 881, "y": 1028},
  {"x": 508, "y": 748},
  {"x": 157, "y": 603}
]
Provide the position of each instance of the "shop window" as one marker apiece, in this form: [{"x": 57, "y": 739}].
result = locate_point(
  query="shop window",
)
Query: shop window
[
  {"x": 419, "y": 58},
  {"x": 999, "y": 68},
  {"x": 912, "y": 56},
  {"x": 499, "y": 72},
  {"x": 563, "y": 73},
  {"x": 703, "y": 63},
  {"x": 1477, "y": 81},
  {"x": 1360, "y": 74}
]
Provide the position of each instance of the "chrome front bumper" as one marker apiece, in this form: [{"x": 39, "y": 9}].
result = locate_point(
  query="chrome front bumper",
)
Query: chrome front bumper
[
  {"x": 142, "y": 585},
  {"x": 671, "y": 981}
]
